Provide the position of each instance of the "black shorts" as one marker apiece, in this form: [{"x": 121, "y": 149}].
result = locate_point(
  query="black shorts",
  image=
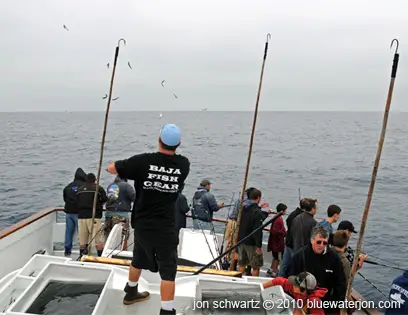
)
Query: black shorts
[{"x": 157, "y": 253}]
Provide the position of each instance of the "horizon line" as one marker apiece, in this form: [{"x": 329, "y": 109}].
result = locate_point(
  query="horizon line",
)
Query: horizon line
[{"x": 190, "y": 110}]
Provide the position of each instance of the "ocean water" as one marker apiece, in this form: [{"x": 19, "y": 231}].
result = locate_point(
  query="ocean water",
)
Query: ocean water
[{"x": 328, "y": 155}]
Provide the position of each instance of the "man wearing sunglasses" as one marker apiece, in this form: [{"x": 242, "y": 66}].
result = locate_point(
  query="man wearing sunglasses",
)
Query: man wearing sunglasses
[{"x": 323, "y": 263}]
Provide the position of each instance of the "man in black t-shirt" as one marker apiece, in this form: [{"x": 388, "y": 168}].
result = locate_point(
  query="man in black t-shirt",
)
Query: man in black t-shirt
[{"x": 159, "y": 178}]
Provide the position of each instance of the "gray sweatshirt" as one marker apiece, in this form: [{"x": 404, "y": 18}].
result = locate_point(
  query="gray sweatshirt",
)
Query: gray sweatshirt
[{"x": 120, "y": 196}]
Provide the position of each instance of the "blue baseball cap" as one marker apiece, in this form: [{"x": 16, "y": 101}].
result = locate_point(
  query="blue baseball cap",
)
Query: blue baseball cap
[{"x": 170, "y": 135}]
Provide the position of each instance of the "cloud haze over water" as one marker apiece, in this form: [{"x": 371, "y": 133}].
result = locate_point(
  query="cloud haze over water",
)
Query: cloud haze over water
[{"x": 322, "y": 55}]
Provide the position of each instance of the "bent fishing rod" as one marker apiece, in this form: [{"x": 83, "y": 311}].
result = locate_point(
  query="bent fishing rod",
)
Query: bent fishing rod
[
  {"x": 375, "y": 167},
  {"x": 104, "y": 135},
  {"x": 237, "y": 244}
]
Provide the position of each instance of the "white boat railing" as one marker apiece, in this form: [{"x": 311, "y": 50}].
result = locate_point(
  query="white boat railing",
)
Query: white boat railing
[{"x": 21, "y": 241}]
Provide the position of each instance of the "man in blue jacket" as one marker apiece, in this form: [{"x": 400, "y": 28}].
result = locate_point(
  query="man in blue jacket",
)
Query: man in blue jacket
[
  {"x": 399, "y": 295},
  {"x": 204, "y": 206}
]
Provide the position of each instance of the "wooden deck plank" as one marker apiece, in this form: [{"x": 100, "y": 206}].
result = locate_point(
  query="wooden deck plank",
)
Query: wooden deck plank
[{"x": 126, "y": 262}]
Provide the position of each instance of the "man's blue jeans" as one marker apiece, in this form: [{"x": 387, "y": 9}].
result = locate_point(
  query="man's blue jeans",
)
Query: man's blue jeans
[
  {"x": 71, "y": 226},
  {"x": 287, "y": 257}
]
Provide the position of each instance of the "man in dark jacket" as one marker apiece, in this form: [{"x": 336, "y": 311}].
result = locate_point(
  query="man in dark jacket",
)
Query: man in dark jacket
[
  {"x": 85, "y": 197},
  {"x": 181, "y": 209},
  {"x": 323, "y": 263},
  {"x": 71, "y": 208},
  {"x": 204, "y": 206},
  {"x": 120, "y": 197},
  {"x": 303, "y": 224},
  {"x": 250, "y": 251},
  {"x": 288, "y": 252}
]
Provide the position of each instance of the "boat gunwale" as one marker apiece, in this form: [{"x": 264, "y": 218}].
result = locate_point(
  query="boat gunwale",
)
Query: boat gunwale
[
  {"x": 27, "y": 221},
  {"x": 43, "y": 213}
]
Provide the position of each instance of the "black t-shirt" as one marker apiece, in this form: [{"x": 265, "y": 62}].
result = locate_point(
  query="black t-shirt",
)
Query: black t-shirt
[{"x": 158, "y": 180}]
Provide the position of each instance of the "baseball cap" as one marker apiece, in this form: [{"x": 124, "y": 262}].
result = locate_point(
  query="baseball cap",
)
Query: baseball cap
[
  {"x": 304, "y": 280},
  {"x": 346, "y": 225},
  {"x": 170, "y": 135},
  {"x": 205, "y": 182}
]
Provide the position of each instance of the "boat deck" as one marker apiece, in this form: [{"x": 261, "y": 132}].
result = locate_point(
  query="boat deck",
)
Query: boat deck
[
  {"x": 21, "y": 289},
  {"x": 150, "y": 306},
  {"x": 38, "y": 241}
]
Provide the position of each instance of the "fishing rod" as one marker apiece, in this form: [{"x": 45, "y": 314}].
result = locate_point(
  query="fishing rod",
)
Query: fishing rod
[
  {"x": 238, "y": 243},
  {"x": 90, "y": 242},
  {"x": 376, "y": 257},
  {"x": 205, "y": 236},
  {"x": 228, "y": 206},
  {"x": 235, "y": 236},
  {"x": 103, "y": 136},
  {"x": 383, "y": 260},
  {"x": 373, "y": 285},
  {"x": 375, "y": 168},
  {"x": 384, "y": 265}
]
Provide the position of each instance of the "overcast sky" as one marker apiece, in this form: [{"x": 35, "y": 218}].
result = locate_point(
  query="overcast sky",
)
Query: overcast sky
[{"x": 323, "y": 55}]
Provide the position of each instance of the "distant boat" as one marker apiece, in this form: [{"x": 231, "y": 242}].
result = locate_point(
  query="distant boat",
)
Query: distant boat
[
  {"x": 160, "y": 116},
  {"x": 204, "y": 109}
]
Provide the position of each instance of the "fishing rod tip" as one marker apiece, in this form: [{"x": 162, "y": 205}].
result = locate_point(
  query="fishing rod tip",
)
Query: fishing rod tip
[
  {"x": 392, "y": 43},
  {"x": 268, "y": 37},
  {"x": 124, "y": 41}
]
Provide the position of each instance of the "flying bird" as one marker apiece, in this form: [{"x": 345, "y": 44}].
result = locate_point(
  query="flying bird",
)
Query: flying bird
[
  {"x": 106, "y": 95},
  {"x": 114, "y": 99},
  {"x": 65, "y": 27},
  {"x": 129, "y": 65},
  {"x": 163, "y": 82},
  {"x": 107, "y": 65},
  {"x": 175, "y": 95}
]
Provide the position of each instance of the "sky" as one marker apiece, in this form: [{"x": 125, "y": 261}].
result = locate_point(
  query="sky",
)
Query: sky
[{"x": 323, "y": 55}]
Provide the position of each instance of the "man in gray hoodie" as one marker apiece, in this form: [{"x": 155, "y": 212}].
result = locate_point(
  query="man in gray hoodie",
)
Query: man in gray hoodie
[
  {"x": 204, "y": 205},
  {"x": 120, "y": 197}
]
